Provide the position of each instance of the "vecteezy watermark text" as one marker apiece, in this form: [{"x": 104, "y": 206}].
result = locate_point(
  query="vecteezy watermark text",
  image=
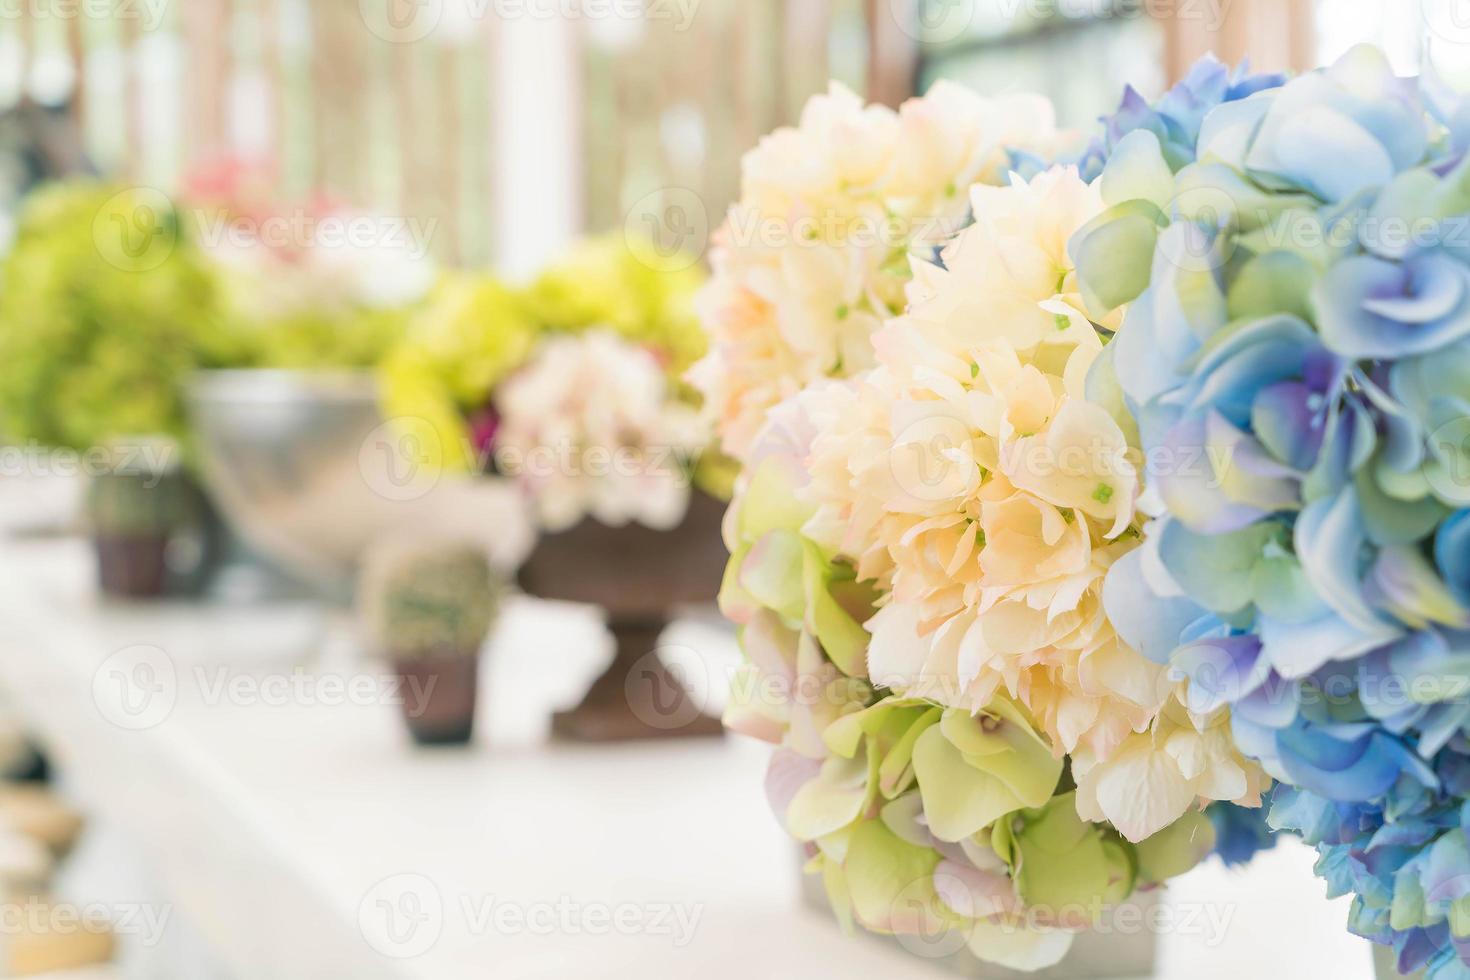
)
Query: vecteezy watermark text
[
  {"x": 138, "y": 687},
  {"x": 149, "y": 13},
  {"x": 409, "y": 21},
  {"x": 404, "y": 916},
  {"x": 152, "y": 457}
]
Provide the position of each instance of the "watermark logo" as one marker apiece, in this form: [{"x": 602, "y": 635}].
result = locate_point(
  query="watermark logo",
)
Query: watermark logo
[
  {"x": 402, "y": 917},
  {"x": 933, "y": 21},
  {"x": 399, "y": 459},
  {"x": 136, "y": 230},
  {"x": 931, "y": 459},
  {"x": 401, "y": 21},
  {"x": 136, "y": 687},
  {"x": 1448, "y": 471},
  {"x": 668, "y": 230},
  {"x": 1448, "y": 20},
  {"x": 659, "y": 691}
]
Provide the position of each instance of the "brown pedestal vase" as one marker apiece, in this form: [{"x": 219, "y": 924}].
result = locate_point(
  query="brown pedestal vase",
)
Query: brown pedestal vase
[{"x": 637, "y": 575}]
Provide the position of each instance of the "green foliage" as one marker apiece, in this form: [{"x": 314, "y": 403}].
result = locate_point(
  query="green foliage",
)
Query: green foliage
[
  {"x": 324, "y": 339},
  {"x": 602, "y": 283},
  {"x": 104, "y": 309}
]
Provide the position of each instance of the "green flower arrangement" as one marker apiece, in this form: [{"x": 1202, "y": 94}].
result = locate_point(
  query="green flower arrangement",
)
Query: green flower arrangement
[
  {"x": 474, "y": 332},
  {"x": 324, "y": 338},
  {"x": 105, "y": 307}
]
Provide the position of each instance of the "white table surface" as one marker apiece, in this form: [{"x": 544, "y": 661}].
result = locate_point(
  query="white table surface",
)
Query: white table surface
[{"x": 295, "y": 824}]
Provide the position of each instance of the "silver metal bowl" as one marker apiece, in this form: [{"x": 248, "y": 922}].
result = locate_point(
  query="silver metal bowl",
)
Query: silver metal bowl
[{"x": 306, "y": 471}]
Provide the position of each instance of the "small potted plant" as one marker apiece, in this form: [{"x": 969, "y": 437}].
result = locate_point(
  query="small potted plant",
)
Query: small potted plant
[
  {"x": 429, "y": 607},
  {"x": 136, "y": 506}
]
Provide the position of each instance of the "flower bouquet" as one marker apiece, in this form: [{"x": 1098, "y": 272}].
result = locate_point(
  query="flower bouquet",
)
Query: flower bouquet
[
  {"x": 944, "y": 506},
  {"x": 571, "y": 388}
]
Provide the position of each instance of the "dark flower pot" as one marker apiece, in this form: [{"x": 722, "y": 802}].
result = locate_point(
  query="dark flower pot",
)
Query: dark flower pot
[
  {"x": 438, "y": 696},
  {"x": 637, "y": 575},
  {"x": 132, "y": 566},
  {"x": 154, "y": 536}
]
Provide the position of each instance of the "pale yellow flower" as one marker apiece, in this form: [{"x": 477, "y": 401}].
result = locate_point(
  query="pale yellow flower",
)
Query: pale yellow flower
[
  {"x": 1148, "y": 782},
  {"x": 968, "y": 474},
  {"x": 813, "y": 257}
]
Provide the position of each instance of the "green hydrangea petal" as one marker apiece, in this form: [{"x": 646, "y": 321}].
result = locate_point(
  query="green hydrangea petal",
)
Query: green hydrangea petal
[
  {"x": 769, "y": 503},
  {"x": 896, "y": 772},
  {"x": 772, "y": 574},
  {"x": 841, "y": 636},
  {"x": 1113, "y": 254},
  {"x": 1272, "y": 283},
  {"x": 960, "y": 798},
  {"x": 1177, "y": 848},
  {"x": 831, "y": 801},
  {"x": 889, "y": 878},
  {"x": 1064, "y": 864},
  {"x": 1137, "y": 170},
  {"x": 1018, "y": 946}
]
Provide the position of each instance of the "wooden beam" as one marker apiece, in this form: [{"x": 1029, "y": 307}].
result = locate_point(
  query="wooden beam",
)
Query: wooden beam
[
  {"x": 77, "y": 52},
  {"x": 1275, "y": 35},
  {"x": 208, "y": 70},
  {"x": 893, "y": 50}
]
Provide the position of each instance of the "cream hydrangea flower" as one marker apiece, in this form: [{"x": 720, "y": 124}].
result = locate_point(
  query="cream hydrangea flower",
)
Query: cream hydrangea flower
[
  {"x": 589, "y": 429},
  {"x": 968, "y": 474},
  {"x": 1154, "y": 775},
  {"x": 814, "y": 256}
]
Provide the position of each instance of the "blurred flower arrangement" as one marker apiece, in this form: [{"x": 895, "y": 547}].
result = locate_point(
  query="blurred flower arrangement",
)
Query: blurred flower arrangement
[
  {"x": 112, "y": 295},
  {"x": 105, "y": 306},
  {"x": 570, "y": 385},
  {"x": 309, "y": 285}
]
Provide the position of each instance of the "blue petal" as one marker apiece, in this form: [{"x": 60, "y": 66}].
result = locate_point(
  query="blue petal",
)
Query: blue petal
[{"x": 1452, "y": 553}]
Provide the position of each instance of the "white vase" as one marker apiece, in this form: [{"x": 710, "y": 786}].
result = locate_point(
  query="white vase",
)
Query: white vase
[{"x": 1093, "y": 956}]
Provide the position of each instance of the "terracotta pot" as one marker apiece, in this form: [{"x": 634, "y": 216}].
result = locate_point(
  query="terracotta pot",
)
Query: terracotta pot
[
  {"x": 153, "y": 539},
  {"x": 637, "y": 575},
  {"x": 438, "y": 696},
  {"x": 133, "y": 566}
]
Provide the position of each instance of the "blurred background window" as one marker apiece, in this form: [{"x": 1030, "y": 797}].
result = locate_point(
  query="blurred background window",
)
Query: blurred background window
[
  {"x": 1060, "y": 49},
  {"x": 516, "y": 133}
]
